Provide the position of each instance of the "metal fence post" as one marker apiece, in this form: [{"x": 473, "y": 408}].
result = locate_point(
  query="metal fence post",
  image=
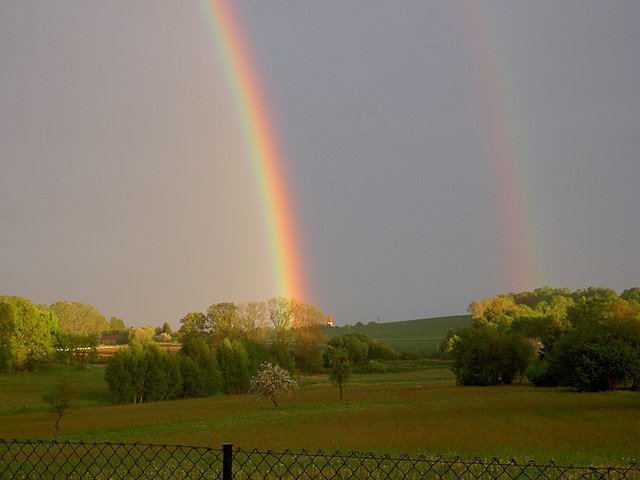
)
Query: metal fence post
[{"x": 227, "y": 461}]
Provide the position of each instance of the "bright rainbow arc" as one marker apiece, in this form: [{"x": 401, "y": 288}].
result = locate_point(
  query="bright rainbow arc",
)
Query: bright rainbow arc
[{"x": 262, "y": 147}]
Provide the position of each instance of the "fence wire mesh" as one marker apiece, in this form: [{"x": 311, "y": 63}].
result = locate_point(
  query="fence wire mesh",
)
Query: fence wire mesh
[
  {"x": 57, "y": 460},
  {"x": 321, "y": 465}
]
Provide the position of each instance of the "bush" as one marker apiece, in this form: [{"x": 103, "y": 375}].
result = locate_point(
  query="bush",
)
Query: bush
[
  {"x": 483, "y": 356},
  {"x": 374, "y": 366}
]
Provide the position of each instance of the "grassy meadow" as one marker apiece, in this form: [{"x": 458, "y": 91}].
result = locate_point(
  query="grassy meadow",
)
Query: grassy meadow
[
  {"x": 415, "y": 412},
  {"x": 421, "y": 335}
]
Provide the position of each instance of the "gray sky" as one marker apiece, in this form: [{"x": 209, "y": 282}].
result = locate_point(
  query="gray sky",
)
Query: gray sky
[{"x": 438, "y": 152}]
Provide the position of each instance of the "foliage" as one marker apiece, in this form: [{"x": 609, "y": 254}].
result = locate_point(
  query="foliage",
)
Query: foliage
[
  {"x": 143, "y": 373},
  {"x": 223, "y": 321},
  {"x": 272, "y": 382},
  {"x": 78, "y": 318},
  {"x": 194, "y": 324},
  {"x": 360, "y": 349},
  {"x": 116, "y": 325},
  {"x": 141, "y": 334},
  {"x": 274, "y": 330},
  {"x": 340, "y": 366},
  {"x": 234, "y": 365},
  {"x": 497, "y": 312},
  {"x": 601, "y": 351},
  {"x": 59, "y": 398},
  {"x": 27, "y": 334},
  {"x": 308, "y": 337},
  {"x": 588, "y": 339},
  {"x": 483, "y": 356},
  {"x": 199, "y": 368}
]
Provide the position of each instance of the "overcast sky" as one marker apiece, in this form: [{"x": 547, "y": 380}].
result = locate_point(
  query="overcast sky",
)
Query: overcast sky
[{"x": 438, "y": 152}]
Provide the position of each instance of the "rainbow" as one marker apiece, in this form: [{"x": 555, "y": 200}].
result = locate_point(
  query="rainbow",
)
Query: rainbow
[
  {"x": 262, "y": 147},
  {"x": 506, "y": 143}
]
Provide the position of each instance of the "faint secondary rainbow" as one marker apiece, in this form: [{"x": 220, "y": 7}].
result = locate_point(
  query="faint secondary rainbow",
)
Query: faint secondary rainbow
[
  {"x": 506, "y": 145},
  {"x": 262, "y": 147}
]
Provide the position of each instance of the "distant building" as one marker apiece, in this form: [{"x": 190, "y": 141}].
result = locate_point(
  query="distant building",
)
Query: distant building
[{"x": 329, "y": 320}]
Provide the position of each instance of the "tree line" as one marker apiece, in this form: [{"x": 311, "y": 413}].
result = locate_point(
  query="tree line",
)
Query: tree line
[
  {"x": 586, "y": 339},
  {"x": 223, "y": 351},
  {"x": 64, "y": 331}
]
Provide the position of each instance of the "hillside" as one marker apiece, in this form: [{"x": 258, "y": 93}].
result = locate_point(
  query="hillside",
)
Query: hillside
[{"x": 422, "y": 335}]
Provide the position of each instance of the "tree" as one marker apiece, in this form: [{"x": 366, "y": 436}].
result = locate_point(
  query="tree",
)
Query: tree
[
  {"x": 194, "y": 324},
  {"x": 272, "y": 382},
  {"x": 117, "y": 325},
  {"x": 143, "y": 373},
  {"x": 7, "y": 335},
  {"x": 59, "y": 398},
  {"x": 279, "y": 313},
  {"x": 199, "y": 368},
  {"x": 166, "y": 328},
  {"x": 28, "y": 334},
  {"x": 601, "y": 351},
  {"x": 497, "y": 312},
  {"x": 141, "y": 334},
  {"x": 340, "y": 367},
  {"x": 484, "y": 356},
  {"x": 632, "y": 295},
  {"x": 78, "y": 318},
  {"x": 360, "y": 349},
  {"x": 253, "y": 316},
  {"x": 223, "y": 322},
  {"x": 307, "y": 324},
  {"x": 234, "y": 364}
]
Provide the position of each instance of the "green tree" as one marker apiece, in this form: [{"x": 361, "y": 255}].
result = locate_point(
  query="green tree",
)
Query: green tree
[
  {"x": 234, "y": 364},
  {"x": 194, "y": 324},
  {"x": 60, "y": 398},
  {"x": 119, "y": 375},
  {"x": 78, "y": 318},
  {"x": 632, "y": 295},
  {"x": 141, "y": 334},
  {"x": 360, "y": 348},
  {"x": 117, "y": 325},
  {"x": 28, "y": 334},
  {"x": 143, "y": 373},
  {"x": 166, "y": 328},
  {"x": 223, "y": 322},
  {"x": 484, "y": 356},
  {"x": 7, "y": 335},
  {"x": 199, "y": 367},
  {"x": 601, "y": 351},
  {"x": 272, "y": 382},
  {"x": 307, "y": 322},
  {"x": 498, "y": 312},
  {"x": 340, "y": 367}
]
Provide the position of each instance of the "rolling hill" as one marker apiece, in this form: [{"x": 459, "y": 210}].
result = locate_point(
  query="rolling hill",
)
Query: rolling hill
[{"x": 421, "y": 335}]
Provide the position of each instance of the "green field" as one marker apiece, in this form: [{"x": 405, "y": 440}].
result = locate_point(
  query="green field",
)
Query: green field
[
  {"x": 421, "y": 335},
  {"x": 417, "y": 412}
]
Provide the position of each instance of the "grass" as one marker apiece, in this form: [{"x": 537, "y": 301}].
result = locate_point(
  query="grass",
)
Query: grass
[
  {"x": 422, "y": 335},
  {"x": 419, "y": 412}
]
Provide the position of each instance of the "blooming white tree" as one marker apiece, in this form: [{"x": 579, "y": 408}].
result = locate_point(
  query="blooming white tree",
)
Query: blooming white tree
[{"x": 272, "y": 382}]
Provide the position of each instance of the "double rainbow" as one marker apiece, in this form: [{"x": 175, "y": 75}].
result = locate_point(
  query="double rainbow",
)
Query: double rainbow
[{"x": 262, "y": 147}]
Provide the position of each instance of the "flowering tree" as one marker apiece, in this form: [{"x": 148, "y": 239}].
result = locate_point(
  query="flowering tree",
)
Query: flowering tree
[{"x": 271, "y": 382}]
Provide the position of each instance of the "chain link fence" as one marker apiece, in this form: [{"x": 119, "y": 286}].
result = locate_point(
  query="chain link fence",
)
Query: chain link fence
[{"x": 65, "y": 460}]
